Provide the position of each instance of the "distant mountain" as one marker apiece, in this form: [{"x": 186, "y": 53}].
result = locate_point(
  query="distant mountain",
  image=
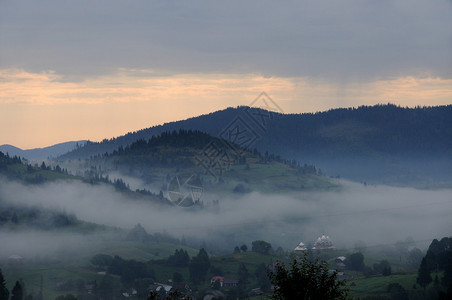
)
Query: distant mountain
[
  {"x": 42, "y": 153},
  {"x": 376, "y": 144}
]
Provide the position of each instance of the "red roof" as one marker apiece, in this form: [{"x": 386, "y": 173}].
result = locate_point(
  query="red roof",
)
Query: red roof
[{"x": 215, "y": 278}]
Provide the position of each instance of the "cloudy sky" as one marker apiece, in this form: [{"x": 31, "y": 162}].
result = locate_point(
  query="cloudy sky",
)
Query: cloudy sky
[{"x": 87, "y": 69}]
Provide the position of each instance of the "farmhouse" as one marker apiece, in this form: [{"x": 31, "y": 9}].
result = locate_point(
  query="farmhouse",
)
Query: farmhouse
[{"x": 226, "y": 282}]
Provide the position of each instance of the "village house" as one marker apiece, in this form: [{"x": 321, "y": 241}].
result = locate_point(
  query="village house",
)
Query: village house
[{"x": 225, "y": 282}]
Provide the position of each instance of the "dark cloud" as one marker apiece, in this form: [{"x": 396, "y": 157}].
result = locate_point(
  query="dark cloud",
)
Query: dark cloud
[{"x": 345, "y": 39}]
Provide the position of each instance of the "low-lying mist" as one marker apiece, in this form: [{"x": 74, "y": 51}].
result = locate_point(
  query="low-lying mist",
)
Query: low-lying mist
[{"x": 370, "y": 214}]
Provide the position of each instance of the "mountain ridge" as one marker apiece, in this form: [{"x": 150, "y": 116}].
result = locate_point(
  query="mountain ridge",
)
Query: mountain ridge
[
  {"x": 395, "y": 144},
  {"x": 44, "y": 153}
]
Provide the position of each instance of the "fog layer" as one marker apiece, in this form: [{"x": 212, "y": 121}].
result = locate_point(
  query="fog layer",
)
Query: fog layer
[{"x": 372, "y": 214}]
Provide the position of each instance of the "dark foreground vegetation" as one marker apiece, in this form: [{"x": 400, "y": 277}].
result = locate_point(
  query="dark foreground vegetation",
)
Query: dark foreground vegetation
[{"x": 256, "y": 273}]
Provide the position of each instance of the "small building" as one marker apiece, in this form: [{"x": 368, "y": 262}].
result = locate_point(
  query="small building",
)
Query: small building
[
  {"x": 255, "y": 292},
  {"x": 225, "y": 282},
  {"x": 182, "y": 287},
  {"x": 301, "y": 247},
  {"x": 88, "y": 288},
  {"x": 158, "y": 286},
  {"x": 230, "y": 282},
  {"x": 15, "y": 260},
  {"x": 340, "y": 262},
  {"x": 323, "y": 243},
  {"x": 220, "y": 279},
  {"x": 340, "y": 259},
  {"x": 213, "y": 294}
]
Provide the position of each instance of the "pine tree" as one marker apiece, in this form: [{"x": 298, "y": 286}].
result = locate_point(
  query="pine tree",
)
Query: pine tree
[
  {"x": 423, "y": 276},
  {"x": 17, "y": 293},
  {"x": 199, "y": 266},
  {"x": 243, "y": 274},
  {"x": 4, "y": 293}
]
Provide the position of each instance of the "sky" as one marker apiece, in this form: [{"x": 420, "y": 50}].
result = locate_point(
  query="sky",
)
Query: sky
[{"x": 73, "y": 70}]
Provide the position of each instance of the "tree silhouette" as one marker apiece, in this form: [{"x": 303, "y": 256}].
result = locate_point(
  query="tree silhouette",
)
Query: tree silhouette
[
  {"x": 423, "y": 276},
  {"x": 261, "y": 247},
  {"x": 261, "y": 275},
  {"x": 243, "y": 274},
  {"x": 305, "y": 279},
  {"x": 17, "y": 292},
  {"x": 4, "y": 293},
  {"x": 199, "y": 266},
  {"x": 356, "y": 261}
]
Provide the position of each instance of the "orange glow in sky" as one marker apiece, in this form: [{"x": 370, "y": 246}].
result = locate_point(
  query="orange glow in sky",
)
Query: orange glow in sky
[{"x": 39, "y": 110}]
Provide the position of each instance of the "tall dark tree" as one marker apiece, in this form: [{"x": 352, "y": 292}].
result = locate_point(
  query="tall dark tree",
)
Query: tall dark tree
[
  {"x": 261, "y": 247},
  {"x": 244, "y": 248},
  {"x": 423, "y": 276},
  {"x": 305, "y": 279},
  {"x": 180, "y": 258},
  {"x": 261, "y": 275},
  {"x": 243, "y": 274},
  {"x": 17, "y": 292},
  {"x": 383, "y": 268},
  {"x": 4, "y": 293},
  {"x": 356, "y": 261},
  {"x": 447, "y": 279},
  {"x": 199, "y": 266}
]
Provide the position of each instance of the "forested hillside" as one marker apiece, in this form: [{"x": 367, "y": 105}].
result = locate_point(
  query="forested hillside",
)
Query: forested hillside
[
  {"x": 378, "y": 144},
  {"x": 213, "y": 160}
]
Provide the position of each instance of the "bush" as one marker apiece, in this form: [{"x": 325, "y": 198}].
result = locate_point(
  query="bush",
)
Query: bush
[{"x": 306, "y": 279}]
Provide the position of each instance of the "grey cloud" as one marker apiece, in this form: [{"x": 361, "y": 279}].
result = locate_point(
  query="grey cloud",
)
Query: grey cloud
[{"x": 343, "y": 39}]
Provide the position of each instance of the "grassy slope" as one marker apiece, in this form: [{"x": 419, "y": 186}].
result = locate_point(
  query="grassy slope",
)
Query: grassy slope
[
  {"x": 20, "y": 171},
  {"x": 51, "y": 274},
  {"x": 274, "y": 177},
  {"x": 377, "y": 286},
  {"x": 77, "y": 266}
]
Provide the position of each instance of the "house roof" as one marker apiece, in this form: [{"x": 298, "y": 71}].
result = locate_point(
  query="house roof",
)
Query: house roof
[
  {"x": 230, "y": 280},
  {"x": 323, "y": 242},
  {"x": 215, "y": 278},
  {"x": 300, "y": 247},
  {"x": 15, "y": 256}
]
